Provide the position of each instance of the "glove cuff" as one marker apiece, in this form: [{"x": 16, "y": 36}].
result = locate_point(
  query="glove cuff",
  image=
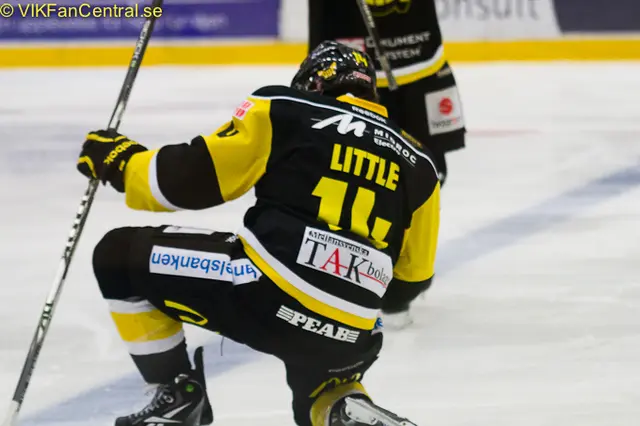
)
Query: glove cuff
[{"x": 116, "y": 178}]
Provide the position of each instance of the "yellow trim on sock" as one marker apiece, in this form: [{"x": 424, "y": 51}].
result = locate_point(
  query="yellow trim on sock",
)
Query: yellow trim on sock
[
  {"x": 145, "y": 326},
  {"x": 321, "y": 408}
]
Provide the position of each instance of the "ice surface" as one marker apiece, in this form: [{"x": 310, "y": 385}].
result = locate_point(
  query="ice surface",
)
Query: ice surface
[{"x": 532, "y": 321}]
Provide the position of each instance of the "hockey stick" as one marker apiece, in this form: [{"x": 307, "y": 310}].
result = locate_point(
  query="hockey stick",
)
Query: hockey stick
[
  {"x": 76, "y": 230},
  {"x": 370, "y": 23}
]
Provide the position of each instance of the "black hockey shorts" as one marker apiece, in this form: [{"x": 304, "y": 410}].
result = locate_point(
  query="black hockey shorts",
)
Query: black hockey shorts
[
  {"x": 429, "y": 109},
  {"x": 204, "y": 278}
]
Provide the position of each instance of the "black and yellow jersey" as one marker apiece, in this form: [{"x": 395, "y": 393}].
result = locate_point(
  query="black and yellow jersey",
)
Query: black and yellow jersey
[
  {"x": 409, "y": 32},
  {"x": 346, "y": 201}
]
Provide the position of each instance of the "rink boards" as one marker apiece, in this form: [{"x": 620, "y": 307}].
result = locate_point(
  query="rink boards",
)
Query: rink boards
[
  {"x": 291, "y": 53},
  {"x": 214, "y": 32}
]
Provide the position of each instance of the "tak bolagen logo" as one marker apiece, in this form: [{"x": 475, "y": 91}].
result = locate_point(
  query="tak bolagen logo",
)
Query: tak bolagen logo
[{"x": 346, "y": 260}]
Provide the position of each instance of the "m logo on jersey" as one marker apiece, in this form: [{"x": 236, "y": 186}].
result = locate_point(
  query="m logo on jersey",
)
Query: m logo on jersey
[
  {"x": 345, "y": 124},
  {"x": 346, "y": 259}
]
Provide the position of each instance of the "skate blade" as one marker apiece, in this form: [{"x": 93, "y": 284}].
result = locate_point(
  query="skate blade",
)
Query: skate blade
[{"x": 369, "y": 414}]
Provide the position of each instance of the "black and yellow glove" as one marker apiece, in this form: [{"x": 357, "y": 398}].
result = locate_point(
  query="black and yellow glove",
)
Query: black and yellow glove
[{"x": 105, "y": 154}]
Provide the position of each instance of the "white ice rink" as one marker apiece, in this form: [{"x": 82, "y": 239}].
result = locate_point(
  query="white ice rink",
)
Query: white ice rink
[{"x": 533, "y": 319}]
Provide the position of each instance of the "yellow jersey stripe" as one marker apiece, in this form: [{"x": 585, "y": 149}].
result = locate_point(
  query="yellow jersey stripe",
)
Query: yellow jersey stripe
[{"x": 363, "y": 103}]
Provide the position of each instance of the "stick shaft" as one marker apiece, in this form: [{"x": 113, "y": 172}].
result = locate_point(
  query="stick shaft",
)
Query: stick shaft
[
  {"x": 370, "y": 23},
  {"x": 76, "y": 230}
]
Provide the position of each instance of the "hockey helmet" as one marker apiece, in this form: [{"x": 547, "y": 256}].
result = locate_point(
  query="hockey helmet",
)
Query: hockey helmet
[{"x": 335, "y": 69}]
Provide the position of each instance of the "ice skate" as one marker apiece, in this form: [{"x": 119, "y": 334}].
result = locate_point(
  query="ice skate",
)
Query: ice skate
[
  {"x": 362, "y": 412},
  {"x": 183, "y": 402}
]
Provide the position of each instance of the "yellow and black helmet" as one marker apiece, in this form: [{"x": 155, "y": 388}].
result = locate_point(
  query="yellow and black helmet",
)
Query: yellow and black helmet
[{"x": 334, "y": 69}]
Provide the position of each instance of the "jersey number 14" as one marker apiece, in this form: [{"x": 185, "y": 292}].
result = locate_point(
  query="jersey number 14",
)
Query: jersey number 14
[{"x": 332, "y": 193}]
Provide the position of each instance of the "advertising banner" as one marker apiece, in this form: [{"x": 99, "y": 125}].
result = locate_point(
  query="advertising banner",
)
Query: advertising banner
[
  {"x": 615, "y": 16},
  {"x": 472, "y": 20},
  {"x": 39, "y": 20}
]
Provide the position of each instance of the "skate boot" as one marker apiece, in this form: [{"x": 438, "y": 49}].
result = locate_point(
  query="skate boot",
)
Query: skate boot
[
  {"x": 360, "y": 411},
  {"x": 183, "y": 402}
]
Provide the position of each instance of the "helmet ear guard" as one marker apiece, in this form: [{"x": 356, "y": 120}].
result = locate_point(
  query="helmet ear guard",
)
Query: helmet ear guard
[{"x": 334, "y": 69}]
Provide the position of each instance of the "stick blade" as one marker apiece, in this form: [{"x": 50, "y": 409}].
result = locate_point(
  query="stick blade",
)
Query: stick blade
[{"x": 12, "y": 414}]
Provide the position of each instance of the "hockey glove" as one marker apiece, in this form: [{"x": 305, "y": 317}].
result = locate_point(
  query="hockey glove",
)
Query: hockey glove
[{"x": 105, "y": 154}]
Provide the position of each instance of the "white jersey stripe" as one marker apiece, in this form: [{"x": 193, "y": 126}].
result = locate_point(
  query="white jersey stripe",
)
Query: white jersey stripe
[
  {"x": 414, "y": 68},
  {"x": 126, "y": 307}
]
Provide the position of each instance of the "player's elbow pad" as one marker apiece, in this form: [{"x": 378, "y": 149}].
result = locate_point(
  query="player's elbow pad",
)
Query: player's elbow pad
[
  {"x": 401, "y": 293},
  {"x": 187, "y": 177}
]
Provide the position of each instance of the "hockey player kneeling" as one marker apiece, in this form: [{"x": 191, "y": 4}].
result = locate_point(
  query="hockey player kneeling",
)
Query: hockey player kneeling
[{"x": 347, "y": 210}]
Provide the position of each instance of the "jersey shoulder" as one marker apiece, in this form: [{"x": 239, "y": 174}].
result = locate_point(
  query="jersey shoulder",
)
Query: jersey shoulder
[
  {"x": 296, "y": 104},
  {"x": 276, "y": 91},
  {"x": 288, "y": 95},
  {"x": 288, "y": 107}
]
